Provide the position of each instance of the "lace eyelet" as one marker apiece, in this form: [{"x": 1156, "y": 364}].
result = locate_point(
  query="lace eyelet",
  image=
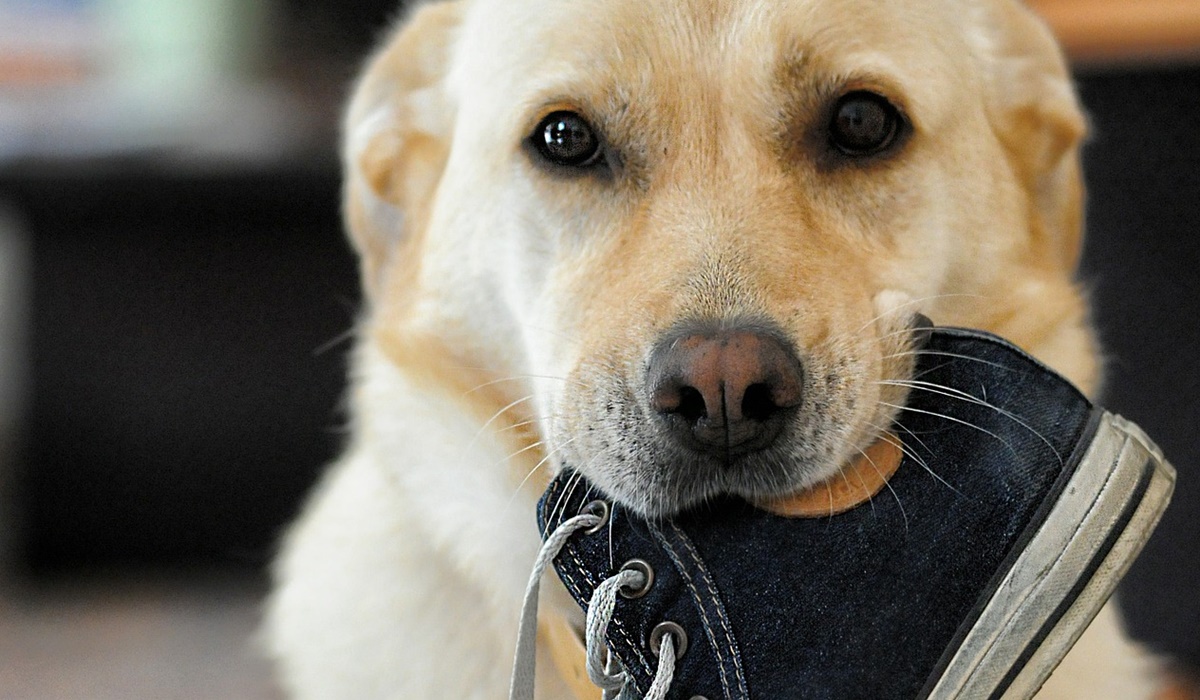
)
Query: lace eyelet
[
  {"x": 647, "y": 571},
  {"x": 601, "y": 510},
  {"x": 663, "y": 629}
]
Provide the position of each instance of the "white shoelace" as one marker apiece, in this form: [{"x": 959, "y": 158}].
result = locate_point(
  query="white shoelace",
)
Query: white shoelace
[{"x": 599, "y": 614}]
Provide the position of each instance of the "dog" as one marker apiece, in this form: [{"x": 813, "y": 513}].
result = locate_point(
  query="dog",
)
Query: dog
[{"x": 680, "y": 246}]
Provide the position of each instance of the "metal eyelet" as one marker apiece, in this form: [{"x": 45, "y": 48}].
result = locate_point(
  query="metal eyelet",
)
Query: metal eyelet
[
  {"x": 663, "y": 629},
  {"x": 647, "y": 572},
  {"x": 601, "y": 510}
]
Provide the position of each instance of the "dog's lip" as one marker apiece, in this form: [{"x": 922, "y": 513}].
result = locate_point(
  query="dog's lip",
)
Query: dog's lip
[{"x": 855, "y": 483}]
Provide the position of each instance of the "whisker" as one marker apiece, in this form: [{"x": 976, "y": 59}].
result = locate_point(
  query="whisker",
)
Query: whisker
[
  {"x": 563, "y": 497},
  {"x": 491, "y": 420},
  {"x": 521, "y": 485},
  {"x": 912, "y": 454},
  {"x": 514, "y": 378},
  {"x": 930, "y": 370},
  {"x": 531, "y": 421},
  {"x": 940, "y": 353},
  {"x": 550, "y": 331},
  {"x": 829, "y": 492},
  {"x": 551, "y": 453},
  {"x": 913, "y": 353},
  {"x": 895, "y": 495},
  {"x": 536, "y": 467},
  {"x": 574, "y": 485},
  {"x": 954, "y": 420},
  {"x": 906, "y": 429},
  {"x": 335, "y": 341},
  {"x": 612, "y": 558},
  {"x": 901, "y": 331},
  {"x": 951, "y": 392},
  {"x": 846, "y": 478},
  {"x": 913, "y": 302},
  {"x": 523, "y": 450}
]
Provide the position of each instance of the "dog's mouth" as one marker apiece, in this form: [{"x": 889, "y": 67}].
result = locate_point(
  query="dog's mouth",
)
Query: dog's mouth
[{"x": 734, "y": 410}]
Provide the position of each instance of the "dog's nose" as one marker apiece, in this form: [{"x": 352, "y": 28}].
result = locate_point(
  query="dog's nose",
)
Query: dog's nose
[{"x": 726, "y": 391}]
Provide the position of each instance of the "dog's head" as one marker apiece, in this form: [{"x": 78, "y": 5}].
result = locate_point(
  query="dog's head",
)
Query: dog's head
[{"x": 690, "y": 239}]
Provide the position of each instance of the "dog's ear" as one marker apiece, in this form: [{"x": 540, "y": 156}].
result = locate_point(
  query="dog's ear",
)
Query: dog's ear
[
  {"x": 396, "y": 136},
  {"x": 1036, "y": 114}
]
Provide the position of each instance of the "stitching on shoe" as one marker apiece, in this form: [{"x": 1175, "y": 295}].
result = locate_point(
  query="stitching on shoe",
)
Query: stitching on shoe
[
  {"x": 615, "y": 622},
  {"x": 580, "y": 594},
  {"x": 726, "y": 627},
  {"x": 577, "y": 589},
  {"x": 708, "y": 630}
]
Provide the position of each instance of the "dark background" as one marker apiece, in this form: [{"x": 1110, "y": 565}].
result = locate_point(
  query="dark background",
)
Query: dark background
[
  {"x": 1142, "y": 259},
  {"x": 187, "y": 367}
]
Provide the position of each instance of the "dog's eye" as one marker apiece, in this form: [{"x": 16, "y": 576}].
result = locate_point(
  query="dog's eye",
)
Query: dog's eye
[
  {"x": 565, "y": 138},
  {"x": 863, "y": 123}
]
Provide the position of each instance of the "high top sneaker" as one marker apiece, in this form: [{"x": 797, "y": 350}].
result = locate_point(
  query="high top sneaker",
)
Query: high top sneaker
[{"x": 1014, "y": 508}]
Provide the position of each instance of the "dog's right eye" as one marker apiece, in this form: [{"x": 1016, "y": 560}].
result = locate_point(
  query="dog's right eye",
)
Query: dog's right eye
[{"x": 566, "y": 139}]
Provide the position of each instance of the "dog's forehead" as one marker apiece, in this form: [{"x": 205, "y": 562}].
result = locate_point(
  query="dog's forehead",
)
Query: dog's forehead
[{"x": 531, "y": 50}]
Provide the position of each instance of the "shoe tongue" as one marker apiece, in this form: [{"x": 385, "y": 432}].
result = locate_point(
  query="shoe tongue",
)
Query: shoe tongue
[{"x": 856, "y": 482}]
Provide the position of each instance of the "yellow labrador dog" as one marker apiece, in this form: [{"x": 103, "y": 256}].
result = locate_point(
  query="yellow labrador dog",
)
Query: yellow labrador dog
[{"x": 545, "y": 194}]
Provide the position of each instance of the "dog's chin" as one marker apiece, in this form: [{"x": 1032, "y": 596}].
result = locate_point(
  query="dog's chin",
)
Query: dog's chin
[
  {"x": 660, "y": 487},
  {"x": 659, "y": 479}
]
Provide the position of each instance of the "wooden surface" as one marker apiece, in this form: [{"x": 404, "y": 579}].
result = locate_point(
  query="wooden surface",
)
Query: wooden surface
[
  {"x": 1100, "y": 30},
  {"x": 134, "y": 638}
]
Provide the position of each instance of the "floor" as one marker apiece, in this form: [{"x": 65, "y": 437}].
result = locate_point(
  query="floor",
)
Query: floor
[{"x": 106, "y": 637}]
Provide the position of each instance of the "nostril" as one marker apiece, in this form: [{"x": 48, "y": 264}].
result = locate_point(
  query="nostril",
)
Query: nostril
[
  {"x": 724, "y": 391},
  {"x": 691, "y": 405},
  {"x": 757, "y": 403}
]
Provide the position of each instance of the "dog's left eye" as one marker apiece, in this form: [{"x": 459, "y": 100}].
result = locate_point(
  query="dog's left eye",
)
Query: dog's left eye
[
  {"x": 566, "y": 139},
  {"x": 863, "y": 123}
]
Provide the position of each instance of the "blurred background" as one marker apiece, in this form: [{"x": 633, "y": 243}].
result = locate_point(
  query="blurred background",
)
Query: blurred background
[{"x": 175, "y": 295}]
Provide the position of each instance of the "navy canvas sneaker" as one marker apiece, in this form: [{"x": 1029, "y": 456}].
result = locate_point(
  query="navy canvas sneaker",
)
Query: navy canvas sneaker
[{"x": 1015, "y": 508}]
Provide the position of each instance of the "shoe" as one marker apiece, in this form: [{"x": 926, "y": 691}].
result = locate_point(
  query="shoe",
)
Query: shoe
[{"x": 1016, "y": 507}]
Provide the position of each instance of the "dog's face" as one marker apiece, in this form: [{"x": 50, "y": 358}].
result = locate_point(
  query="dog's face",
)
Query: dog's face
[{"x": 698, "y": 234}]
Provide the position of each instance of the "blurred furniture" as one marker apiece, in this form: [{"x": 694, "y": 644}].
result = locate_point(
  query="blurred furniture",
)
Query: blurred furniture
[
  {"x": 1107, "y": 30},
  {"x": 185, "y": 369},
  {"x": 179, "y": 201}
]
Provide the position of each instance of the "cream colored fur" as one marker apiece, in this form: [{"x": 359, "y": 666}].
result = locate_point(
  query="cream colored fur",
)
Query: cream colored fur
[{"x": 508, "y": 306}]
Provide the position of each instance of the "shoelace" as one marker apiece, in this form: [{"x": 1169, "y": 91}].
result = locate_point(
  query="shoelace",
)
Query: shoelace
[{"x": 599, "y": 614}]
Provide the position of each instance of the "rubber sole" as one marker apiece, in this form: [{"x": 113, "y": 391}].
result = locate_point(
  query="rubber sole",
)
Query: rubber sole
[{"x": 1067, "y": 570}]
